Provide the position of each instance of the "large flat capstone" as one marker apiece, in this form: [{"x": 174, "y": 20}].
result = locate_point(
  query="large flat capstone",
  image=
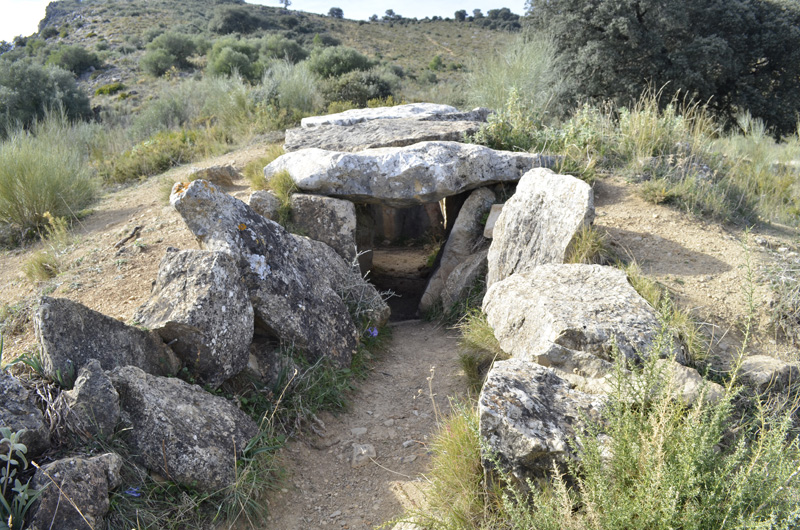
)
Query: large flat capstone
[
  {"x": 353, "y": 116},
  {"x": 404, "y": 176},
  {"x": 377, "y": 133}
]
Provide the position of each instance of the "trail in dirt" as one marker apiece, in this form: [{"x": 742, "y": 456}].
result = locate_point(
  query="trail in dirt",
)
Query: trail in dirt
[{"x": 394, "y": 412}]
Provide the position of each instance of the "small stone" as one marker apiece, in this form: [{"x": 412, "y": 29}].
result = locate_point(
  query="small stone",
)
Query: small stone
[
  {"x": 358, "y": 431},
  {"x": 408, "y": 443},
  {"x": 335, "y": 514},
  {"x": 388, "y": 423},
  {"x": 408, "y": 459},
  {"x": 362, "y": 453}
]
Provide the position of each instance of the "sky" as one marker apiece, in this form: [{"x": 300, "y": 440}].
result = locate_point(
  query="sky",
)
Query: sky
[{"x": 21, "y": 17}]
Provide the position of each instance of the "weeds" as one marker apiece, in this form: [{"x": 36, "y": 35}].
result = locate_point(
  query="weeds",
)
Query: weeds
[
  {"x": 283, "y": 186},
  {"x": 479, "y": 347},
  {"x": 16, "y": 498},
  {"x": 254, "y": 170},
  {"x": 590, "y": 246}
]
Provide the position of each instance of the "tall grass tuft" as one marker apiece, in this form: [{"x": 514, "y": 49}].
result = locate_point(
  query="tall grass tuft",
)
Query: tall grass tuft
[
  {"x": 45, "y": 170},
  {"x": 254, "y": 170},
  {"x": 526, "y": 66}
]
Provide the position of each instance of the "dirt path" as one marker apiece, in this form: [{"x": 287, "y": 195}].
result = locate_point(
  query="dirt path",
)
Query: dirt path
[{"x": 393, "y": 412}]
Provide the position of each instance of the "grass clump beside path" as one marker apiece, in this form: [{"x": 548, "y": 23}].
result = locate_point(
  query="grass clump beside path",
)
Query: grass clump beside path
[{"x": 658, "y": 465}]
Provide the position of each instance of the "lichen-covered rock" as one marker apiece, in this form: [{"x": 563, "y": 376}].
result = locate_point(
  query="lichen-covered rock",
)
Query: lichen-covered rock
[
  {"x": 403, "y": 176},
  {"x": 93, "y": 402},
  {"x": 530, "y": 418},
  {"x": 181, "y": 431},
  {"x": 378, "y": 133},
  {"x": 762, "y": 373},
  {"x": 70, "y": 334},
  {"x": 464, "y": 239},
  {"x": 201, "y": 308},
  {"x": 537, "y": 224},
  {"x": 687, "y": 385},
  {"x": 217, "y": 175},
  {"x": 350, "y": 117},
  {"x": 332, "y": 221},
  {"x": 18, "y": 411},
  {"x": 494, "y": 214},
  {"x": 465, "y": 277},
  {"x": 75, "y": 482},
  {"x": 570, "y": 317},
  {"x": 265, "y": 203},
  {"x": 293, "y": 292}
]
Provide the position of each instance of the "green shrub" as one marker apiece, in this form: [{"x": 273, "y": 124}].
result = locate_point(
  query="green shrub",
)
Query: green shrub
[
  {"x": 278, "y": 47},
  {"x": 228, "y": 56},
  {"x": 44, "y": 172},
  {"x": 74, "y": 58},
  {"x": 157, "y": 62},
  {"x": 337, "y": 60},
  {"x": 28, "y": 91},
  {"x": 109, "y": 89},
  {"x": 163, "y": 151},
  {"x": 233, "y": 19},
  {"x": 359, "y": 87},
  {"x": 177, "y": 45}
]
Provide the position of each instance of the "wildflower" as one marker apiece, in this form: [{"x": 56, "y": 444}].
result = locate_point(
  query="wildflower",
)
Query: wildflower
[
  {"x": 372, "y": 331},
  {"x": 133, "y": 492}
]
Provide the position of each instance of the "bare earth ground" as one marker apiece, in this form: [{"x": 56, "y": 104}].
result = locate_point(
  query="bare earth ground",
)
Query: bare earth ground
[{"x": 704, "y": 264}]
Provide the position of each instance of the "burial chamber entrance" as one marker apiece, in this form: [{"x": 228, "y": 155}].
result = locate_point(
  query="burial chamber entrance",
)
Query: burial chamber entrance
[{"x": 404, "y": 246}]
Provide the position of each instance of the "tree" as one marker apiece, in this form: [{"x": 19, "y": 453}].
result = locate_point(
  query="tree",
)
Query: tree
[
  {"x": 461, "y": 15},
  {"x": 736, "y": 55},
  {"x": 285, "y": 3},
  {"x": 373, "y": 18},
  {"x": 336, "y": 12},
  {"x": 476, "y": 13},
  {"x": 391, "y": 15},
  {"x": 28, "y": 91}
]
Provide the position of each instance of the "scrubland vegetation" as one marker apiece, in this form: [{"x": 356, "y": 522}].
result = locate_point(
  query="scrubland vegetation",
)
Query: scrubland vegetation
[{"x": 230, "y": 73}]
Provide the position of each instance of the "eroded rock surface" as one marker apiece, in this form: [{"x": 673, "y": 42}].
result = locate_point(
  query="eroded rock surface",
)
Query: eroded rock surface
[
  {"x": 70, "y": 334},
  {"x": 529, "y": 418},
  {"x": 18, "y": 411},
  {"x": 331, "y": 221},
  {"x": 181, "y": 431},
  {"x": 377, "y": 133},
  {"x": 403, "y": 176},
  {"x": 762, "y": 373},
  {"x": 86, "y": 482},
  {"x": 293, "y": 291},
  {"x": 201, "y": 308},
  {"x": 350, "y": 117},
  {"x": 537, "y": 224},
  {"x": 466, "y": 276},
  {"x": 265, "y": 203},
  {"x": 93, "y": 402},
  {"x": 217, "y": 175},
  {"x": 570, "y": 317},
  {"x": 465, "y": 238}
]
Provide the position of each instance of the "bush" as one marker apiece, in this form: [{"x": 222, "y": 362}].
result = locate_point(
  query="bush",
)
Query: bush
[
  {"x": 233, "y": 19},
  {"x": 336, "y": 61},
  {"x": 279, "y": 47},
  {"x": 229, "y": 55},
  {"x": 526, "y": 65},
  {"x": 156, "y": 62},
  {"x": 359, "y": 87},
  {"x": 44, "y": 172},
  {"x": 74, "y": 58},
  {"x": 291, "y": 86},
  {"x": 179, "y": 46},
  {"x": 28, "y": 91}
]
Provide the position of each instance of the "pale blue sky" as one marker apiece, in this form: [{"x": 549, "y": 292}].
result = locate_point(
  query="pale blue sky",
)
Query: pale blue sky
[{"x": 21, "y": 17}]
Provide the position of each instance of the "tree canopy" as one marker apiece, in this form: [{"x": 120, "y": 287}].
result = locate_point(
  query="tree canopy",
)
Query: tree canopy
[{"x": 736, "y": 55}]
